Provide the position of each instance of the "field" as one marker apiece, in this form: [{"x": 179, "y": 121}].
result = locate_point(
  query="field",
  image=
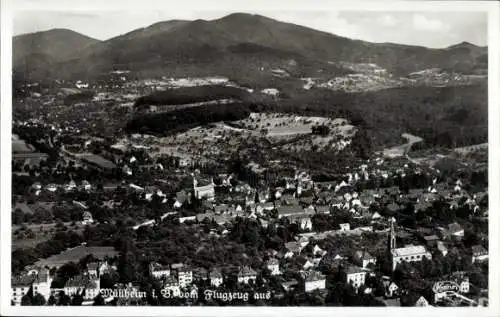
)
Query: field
[
  {"x": 24, "y": 236},
  {"x": 77, "y": 253},
  {"x": 400, "y": 150},
  {"x": 471, "y": 148},
  {"x": 220, "y": 139}
]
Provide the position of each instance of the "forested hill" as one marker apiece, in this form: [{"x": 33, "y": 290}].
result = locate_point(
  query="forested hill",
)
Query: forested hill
[{"x": 443, "y": 116}]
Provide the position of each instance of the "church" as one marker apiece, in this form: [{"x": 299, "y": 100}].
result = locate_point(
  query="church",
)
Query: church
[
  {"x": 204, "y": 189},
  {"x": 409, "y": 253}
]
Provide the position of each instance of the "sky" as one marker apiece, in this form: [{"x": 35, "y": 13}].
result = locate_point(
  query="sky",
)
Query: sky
[{"x": 436, "y": 29}]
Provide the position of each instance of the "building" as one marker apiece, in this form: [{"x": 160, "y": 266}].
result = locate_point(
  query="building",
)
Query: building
[
  {"x": 421, "y": 302},
  {"x": 42, "y": 283},
  {"x": 273, "y": 265},
  {"x": 290, "y": 211},
  {"x": 246, "y": 274},
  {"x": 302, "y": 220},
  {"x": 20, "y": 286},
  {"x": 363, "y": 259},
  {"x": 87, "y": 218},
  {"x": 313, "y": 281},
  {"x": 216, "y": 278},
  {"x": 185, "y": 276},
  {"x": 456, "y": 231},
  {"x": 355, "y": 275},
  {"x": 391, "y": 289},
  {"x": 98, "y": 162},
  {"x": 172, "y": 285},
  {"x": 93, "y": 268},
  {"x": 409, "y": 253},
  {"x": 158, "y": 270},
  {"x": 84, "y": 285},
  {"x": 204, "y": 189},
  {"x": 345, "y": 227},
  {"x": 479, "y": 253}
]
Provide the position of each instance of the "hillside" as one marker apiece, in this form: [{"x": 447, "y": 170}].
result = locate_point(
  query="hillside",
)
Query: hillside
[
  {"x": 437, "y": 114},
  {"x": 240, "y": 46},
  {"x": 38, "y": 52}
]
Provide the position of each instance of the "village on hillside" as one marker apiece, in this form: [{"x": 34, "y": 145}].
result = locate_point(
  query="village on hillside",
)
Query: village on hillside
[{"x": 223, "y": 214}]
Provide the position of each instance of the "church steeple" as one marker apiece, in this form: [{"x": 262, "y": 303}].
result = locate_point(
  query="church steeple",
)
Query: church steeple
[{"x": 391, "y": 243}]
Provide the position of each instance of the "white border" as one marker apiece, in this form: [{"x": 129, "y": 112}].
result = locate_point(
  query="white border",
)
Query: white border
[{"x": 491, "y": 7}]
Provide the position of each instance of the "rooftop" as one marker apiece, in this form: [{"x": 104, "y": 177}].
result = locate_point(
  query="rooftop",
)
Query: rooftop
[
  {"x": 98, "y": 161},
  {"x": 409, "y": 250},
  {"x": 354, "y": 270},
  {"x": 22, "y": 280},
  {"x": 290, "y": 210},
  {"x": 314, "y": 276},
  {"x": 246, "y": 271}
]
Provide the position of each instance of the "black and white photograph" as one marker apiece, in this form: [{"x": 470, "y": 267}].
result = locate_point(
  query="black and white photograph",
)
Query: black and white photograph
[{"x": 212, "y": 156}]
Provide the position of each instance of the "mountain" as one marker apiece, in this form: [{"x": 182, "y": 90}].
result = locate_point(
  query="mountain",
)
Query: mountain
[
  {"x": 240, "y": 46},
  {"x": 47, "y": 48}
]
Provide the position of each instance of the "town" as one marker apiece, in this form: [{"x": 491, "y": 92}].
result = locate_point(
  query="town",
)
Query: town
[{"x": 101, "y": 218}]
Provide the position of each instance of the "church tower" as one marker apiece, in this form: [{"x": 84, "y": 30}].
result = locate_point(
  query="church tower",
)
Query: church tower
[{"x": 391, "y": 243}]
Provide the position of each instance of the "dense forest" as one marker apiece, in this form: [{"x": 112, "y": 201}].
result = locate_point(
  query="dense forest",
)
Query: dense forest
[
  {"x": 180, "y": 120},
  {"x": 191, "y": 95},
  {"x": 443, "y": 116}
]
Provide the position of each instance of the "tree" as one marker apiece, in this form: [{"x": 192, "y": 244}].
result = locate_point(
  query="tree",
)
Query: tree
[
  {"x": 52, "y": 301},
  {"x": 38, "y": 300},
  {"x": 77, "y": 300},
  {"x": 26, "y": 300},
  {"x": 64, "y": 300},
  {"x": 99, "y": 301}
]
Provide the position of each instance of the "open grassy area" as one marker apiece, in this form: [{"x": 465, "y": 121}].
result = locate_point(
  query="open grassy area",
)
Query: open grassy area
[{"x": 77, "y": 253}]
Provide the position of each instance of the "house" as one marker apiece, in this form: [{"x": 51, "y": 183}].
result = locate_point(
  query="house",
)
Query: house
[
  {"x": 355, "y": 275},
  {"x": 318, "y": 251},
  {"x": 455, "y": 230},
  {"x": 314, "y": 280},
  {"x": 479, "y": 253},
  {"x": 185, "y": 276},
  {"x": 293, "y": 248},
  {"x": 464, "y": 286},
  {"x": 42, "y": 283},
  {"x": 289, "y": 285},
  {"x": 216, "y": 278},
  {"x": 302, "y": 220},
  {"x": 345, "y": 226},
  {"x": 273, "y": 265},
  {"x": 363, "y": 259},
  {"x": 158, "y": 270},
  {"x": 93, "y": 268},
  {"x": 376, "y": 216},
  {"x": 171, "y": 284},
  {"x": 391, "y": 289},
  {"x": 306, "y": 263},
  {"x": 84, "y": 285},
  {"x": 246, "y": 274},
  {"x": 289, "y": 210},
  {"x": 87, "y": 218},
  {"x": 421, "y": 302},
  {"x": 431, "y": 240},
  {"x": 442, "y": 248},
  {"x": 20, "y": 286},
  {"x": 187, "y": 218}
]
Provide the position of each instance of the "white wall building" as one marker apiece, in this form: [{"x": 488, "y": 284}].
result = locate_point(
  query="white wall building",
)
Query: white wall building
[
  {"x": 410, "y": 253},
  {"x": 314, "y": 281},
  {"x": 355, "y": 275},
  {"x": 273, "y": 265},
  {"x": 158, "y": 271},
  {"x": 246, "y": 274}
]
